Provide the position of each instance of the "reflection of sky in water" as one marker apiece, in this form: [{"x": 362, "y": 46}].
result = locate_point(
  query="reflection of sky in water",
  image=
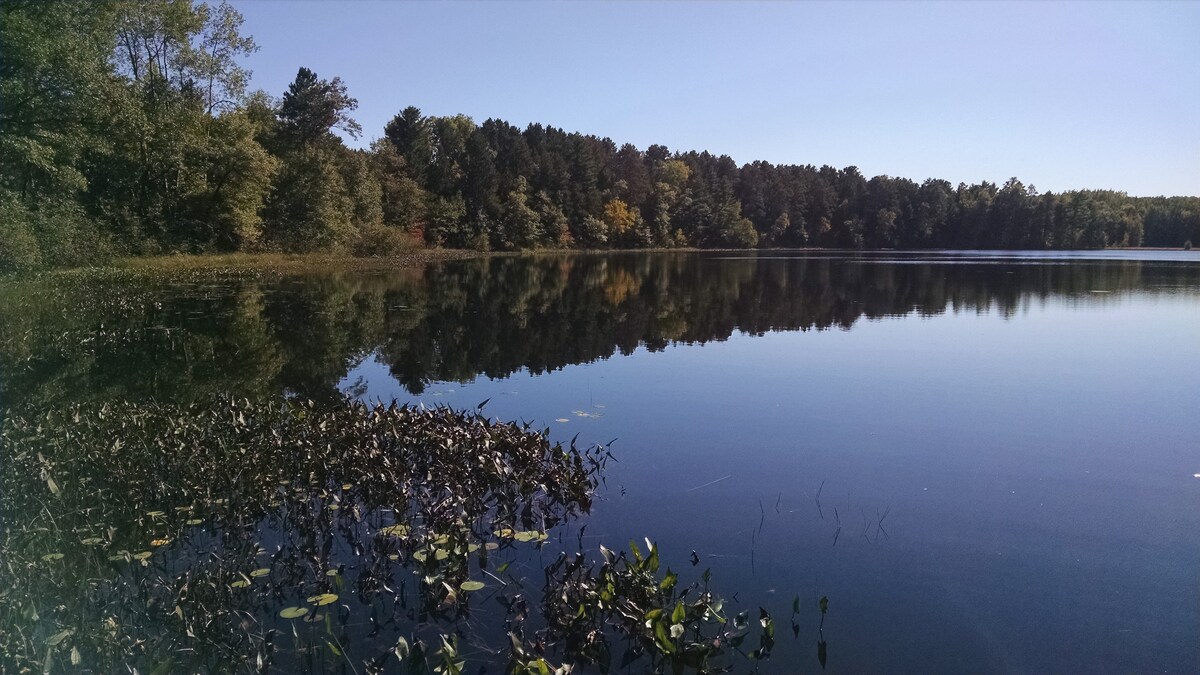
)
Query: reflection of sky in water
[{"x": 1036, "y": 472}]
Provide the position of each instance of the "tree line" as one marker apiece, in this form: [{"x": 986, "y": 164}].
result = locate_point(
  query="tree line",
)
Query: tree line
[{"x": 127, "y": 128}]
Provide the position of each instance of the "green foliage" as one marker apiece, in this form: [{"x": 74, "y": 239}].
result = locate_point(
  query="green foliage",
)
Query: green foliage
[
  {"x": 134, "y": 117},
  {"x": 310, "y": 207},
  {"x": 55, "y": 83},
  {"x": 312, "y": 108},
  {"x": 56, "y": 233},
  {"x": 381, "y": 241},
  {"x": 19, "y": 249}
]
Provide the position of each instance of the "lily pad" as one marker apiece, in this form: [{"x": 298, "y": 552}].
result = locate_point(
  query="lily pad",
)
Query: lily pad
[
  {"x": 293, "y": 612},
  {"x": 471, "y": 585},
  {"x": 323, "y": 599},
  {"x": 260, "y": 572},
  {"x": 52, "y": 556},
  {"x": 240, "y": 583}
]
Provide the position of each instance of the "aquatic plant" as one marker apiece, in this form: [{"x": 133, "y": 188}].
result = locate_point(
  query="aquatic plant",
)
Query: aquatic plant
[
  {"x": 288, "y": 536},
  {"x": 591, "y": 606},
  {"x": 194, "y": 537}
]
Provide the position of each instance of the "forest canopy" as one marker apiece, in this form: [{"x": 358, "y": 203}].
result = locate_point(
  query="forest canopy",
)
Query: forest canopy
[{"x": 127, "y": 128}]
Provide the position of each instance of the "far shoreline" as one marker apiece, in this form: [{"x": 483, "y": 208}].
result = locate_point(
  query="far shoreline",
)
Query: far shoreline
[{"x": 301, "y": 262}]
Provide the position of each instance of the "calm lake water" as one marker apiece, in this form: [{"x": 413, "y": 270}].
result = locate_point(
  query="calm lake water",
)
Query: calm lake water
[{"x": 987, "y": 462}]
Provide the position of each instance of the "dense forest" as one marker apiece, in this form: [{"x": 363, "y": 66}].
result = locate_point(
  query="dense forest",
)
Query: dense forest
[{"x": 128, "y": 129}]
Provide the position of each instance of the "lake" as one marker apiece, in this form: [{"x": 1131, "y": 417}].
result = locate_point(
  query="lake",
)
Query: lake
[{"x": 987, "y": 462}]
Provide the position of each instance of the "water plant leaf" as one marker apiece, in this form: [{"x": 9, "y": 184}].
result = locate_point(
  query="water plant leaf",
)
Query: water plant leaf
[
  {"x": 52, "y": 556},
  {"x": 323, "y": 599},
  {"x": 293, "y": 612},
  {"x": 398, "y": 530},
  {"x": 260, "y": 572},
  {"x": 471, "y": 585},
  {"x": 662, "y": 638}
]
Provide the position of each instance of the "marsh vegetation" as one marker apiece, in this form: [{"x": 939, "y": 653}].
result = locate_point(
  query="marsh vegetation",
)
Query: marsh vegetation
[{"x": 287, "y": 536}]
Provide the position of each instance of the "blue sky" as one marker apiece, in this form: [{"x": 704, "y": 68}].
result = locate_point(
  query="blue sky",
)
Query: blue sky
[{"x": 1061, "y": 95}]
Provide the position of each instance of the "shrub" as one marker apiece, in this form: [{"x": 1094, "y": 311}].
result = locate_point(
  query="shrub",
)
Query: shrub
[
  {"x": 18, "y": 247},
  {"x": 377, "y": 241}
]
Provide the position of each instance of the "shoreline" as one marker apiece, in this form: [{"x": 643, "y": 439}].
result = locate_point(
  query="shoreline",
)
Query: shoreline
[{"x": 299, "y": 262}]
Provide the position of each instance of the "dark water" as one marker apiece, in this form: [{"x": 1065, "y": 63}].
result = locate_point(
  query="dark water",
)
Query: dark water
[{"x": 987, "y": 463}]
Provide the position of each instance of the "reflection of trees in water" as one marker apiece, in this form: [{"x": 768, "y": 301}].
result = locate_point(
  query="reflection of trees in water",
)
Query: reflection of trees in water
[{"x": 179, "y": 339}]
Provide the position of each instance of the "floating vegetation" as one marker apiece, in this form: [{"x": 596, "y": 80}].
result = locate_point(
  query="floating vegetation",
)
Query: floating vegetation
[
  {"x": 203, "y": 538},
  {"x": 622, "y": 604},
  {"x": 191, "y": 529}
]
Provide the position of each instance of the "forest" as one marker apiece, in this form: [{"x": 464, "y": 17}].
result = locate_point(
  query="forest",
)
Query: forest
[{"x": 128, "y": 129}]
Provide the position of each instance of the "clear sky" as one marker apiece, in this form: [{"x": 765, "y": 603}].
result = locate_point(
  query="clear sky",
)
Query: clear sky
[{"x": 1061, "y": 95}]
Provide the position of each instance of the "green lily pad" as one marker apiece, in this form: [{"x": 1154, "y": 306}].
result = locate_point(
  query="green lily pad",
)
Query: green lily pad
[
  {"x": 323, "y": 599},
  {"x": 240, "y": 583},
  {"x": 395, "y": 530},
  {"x": 52, "y": 556},
  {"x": 260, "y": 572},
  {"x": 91, "y": 541},
  {"x": 471, "y": 585},
  {"x": 293, "y": 612}
]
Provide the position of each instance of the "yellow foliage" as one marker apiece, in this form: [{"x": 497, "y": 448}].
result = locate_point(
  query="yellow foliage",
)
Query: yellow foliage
[{"x": 620, "y": 217}]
